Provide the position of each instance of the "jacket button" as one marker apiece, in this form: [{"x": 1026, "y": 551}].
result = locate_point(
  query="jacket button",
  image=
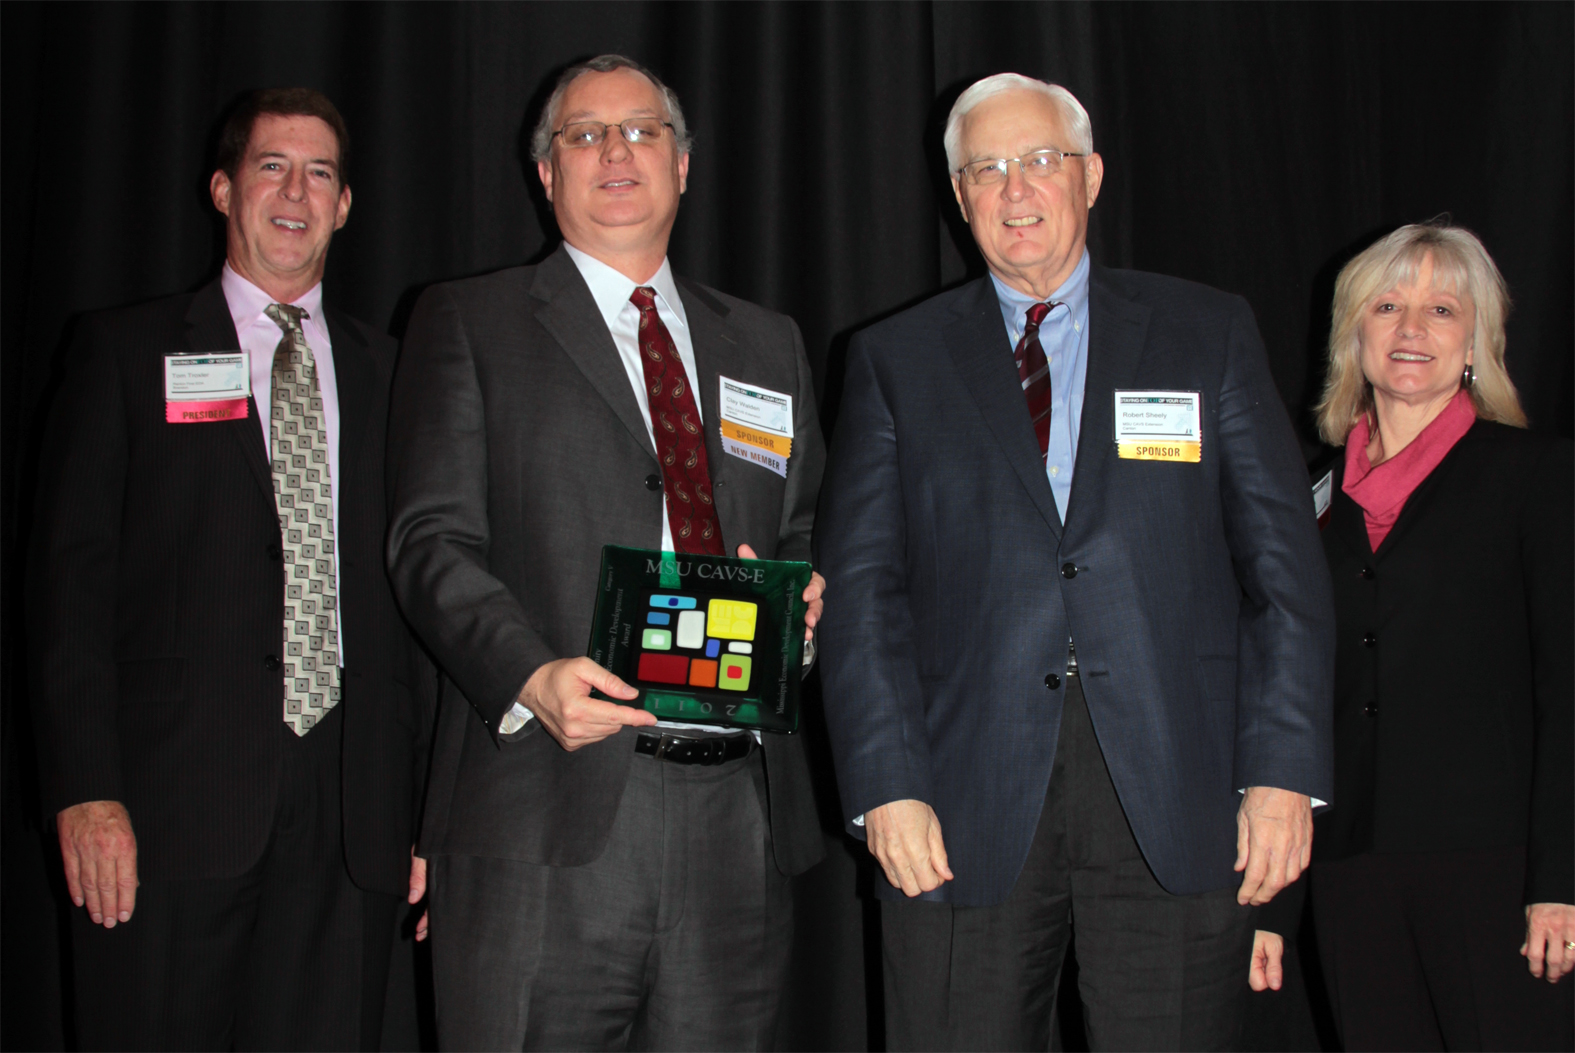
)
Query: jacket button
[
  {"x": 274, "y": 552},
  {"x": 1371, "y": 709},
  {"x": 1367, "y": 573},
  {"x": 1052, "y": 681},
  {"x": 271, "y": 662},
  {"x": 653, "y": 482},
  {"x": 1069, "y": 570},
  {"x": 1370, "y": 639}
]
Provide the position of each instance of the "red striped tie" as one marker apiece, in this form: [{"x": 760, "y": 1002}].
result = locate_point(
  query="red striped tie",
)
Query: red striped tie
[
  {"x": 1034, "y": 371},
  {"x": 680, "y": 441}
]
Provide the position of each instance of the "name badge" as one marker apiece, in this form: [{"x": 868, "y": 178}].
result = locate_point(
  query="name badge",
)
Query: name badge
[
  {"x": 757, "y": 424},
  {"x": 206, "y": 387},
  {"x": 1323, "y": 497},
  {"x": 1159, "y": 426}
]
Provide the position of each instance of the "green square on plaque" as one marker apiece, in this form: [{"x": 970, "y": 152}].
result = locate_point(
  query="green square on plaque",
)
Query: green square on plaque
[{"x": 700, "y": 674}]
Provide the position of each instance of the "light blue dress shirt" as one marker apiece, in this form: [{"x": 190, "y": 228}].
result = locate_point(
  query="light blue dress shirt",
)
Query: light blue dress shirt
[{"x": 1064, "y": 336}]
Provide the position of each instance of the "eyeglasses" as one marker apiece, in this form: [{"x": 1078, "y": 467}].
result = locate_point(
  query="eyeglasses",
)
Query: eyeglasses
[
  {"x": 634, "y": 130},
  {"x": 1041, "y": 164}
]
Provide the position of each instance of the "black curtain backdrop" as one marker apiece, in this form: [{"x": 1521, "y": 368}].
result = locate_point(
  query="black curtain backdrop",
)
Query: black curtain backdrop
[{"x": 1253, "y": 147}]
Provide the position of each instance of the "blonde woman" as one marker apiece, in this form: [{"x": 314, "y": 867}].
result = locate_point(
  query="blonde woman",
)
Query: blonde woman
[{"x": 1449, "y": 843}]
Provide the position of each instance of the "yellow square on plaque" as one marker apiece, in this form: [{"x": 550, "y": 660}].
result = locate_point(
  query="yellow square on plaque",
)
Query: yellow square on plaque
[{"x": 731, "y": 619}]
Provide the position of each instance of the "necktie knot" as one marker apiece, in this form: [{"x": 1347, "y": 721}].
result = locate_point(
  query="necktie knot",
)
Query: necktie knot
[
  {"x": 1037, "y": 314},
  {"x": 643, "y": 297},
  {"x": 286, "y": 316}
]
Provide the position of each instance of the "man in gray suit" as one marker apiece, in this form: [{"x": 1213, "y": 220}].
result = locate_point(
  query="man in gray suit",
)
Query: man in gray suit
[{"x": 596, "y": 882}]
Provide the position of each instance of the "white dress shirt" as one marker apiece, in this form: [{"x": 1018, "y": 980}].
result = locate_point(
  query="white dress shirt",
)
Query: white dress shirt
[{"x": 260, "y": 336}]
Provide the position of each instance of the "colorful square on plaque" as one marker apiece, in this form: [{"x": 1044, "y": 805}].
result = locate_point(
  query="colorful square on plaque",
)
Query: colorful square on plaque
[
  {"x": 658, "y": 618},
  {"x": 732, "y": 619},
  {"x": 657, "y": 640},
  {"x": 713, "y": 648},
  {"x": 663, "y": 668},
  {"x": 702, "y": 673},
  {"x": 691, "y": 629},
  {"x": 734, "y": 673},
  {"x": 671, "y": 602}
]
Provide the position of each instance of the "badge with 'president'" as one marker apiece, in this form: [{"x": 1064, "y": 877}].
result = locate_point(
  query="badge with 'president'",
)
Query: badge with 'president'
[{"x": 206, "y": 387}]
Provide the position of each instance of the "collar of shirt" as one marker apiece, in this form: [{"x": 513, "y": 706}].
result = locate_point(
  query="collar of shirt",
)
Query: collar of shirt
[
  {"x": 612, "y": 288},
  {"x": 248, "y": 302},
  {"x": 1073, "y": 292}
]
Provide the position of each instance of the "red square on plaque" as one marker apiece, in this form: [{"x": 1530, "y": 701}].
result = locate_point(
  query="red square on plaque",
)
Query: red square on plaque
[{"x": 663, "y": 668}]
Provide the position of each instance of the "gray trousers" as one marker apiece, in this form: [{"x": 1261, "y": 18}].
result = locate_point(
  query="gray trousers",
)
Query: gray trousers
[
  {"x": 676, "y": 937},
  {"x": 1156, "y": 971}
]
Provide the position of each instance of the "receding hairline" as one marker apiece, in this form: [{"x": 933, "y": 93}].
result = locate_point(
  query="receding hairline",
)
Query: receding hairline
[{"x": 1053, "y": 104}]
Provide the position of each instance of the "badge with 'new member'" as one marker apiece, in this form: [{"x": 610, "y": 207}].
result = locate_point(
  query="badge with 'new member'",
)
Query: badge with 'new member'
[{"x": 757, "y": 424}]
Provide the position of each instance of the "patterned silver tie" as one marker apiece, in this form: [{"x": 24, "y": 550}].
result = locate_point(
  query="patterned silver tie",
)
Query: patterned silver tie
[{"x": 303, "y": 495}]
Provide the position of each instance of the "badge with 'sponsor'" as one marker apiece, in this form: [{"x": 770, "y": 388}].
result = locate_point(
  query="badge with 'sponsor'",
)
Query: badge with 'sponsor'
[
  {"x": 206, "y": 387},
  {"x": 757, "y": 424},
  {"x": 1159, "y": 426}
]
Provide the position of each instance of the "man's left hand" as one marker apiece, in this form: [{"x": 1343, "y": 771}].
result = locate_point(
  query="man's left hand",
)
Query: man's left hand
[
  {"x": 1267, "y": 971},
  {"x": 813, "y": 594},
  {"x": 1274, "y": 832},
  {"x": 1550, "y": 929},
  {"x": 418, "y": 889}
]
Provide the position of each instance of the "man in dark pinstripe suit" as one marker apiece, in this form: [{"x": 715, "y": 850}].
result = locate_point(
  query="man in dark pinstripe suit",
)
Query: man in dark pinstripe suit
[{"x": 234, "y": 796}]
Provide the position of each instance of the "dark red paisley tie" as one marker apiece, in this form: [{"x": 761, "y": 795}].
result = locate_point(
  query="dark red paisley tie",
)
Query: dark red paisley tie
[{"x": 680, "y": 440}]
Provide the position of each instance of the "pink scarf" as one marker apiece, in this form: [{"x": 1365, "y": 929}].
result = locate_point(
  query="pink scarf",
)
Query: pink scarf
[{"x": 1383, "y": 491}]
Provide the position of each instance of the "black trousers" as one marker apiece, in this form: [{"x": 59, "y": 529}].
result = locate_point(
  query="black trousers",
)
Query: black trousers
[
  {"x": 288, "y": 955},
  {"x": 676, "y": 937},
  {"x": 1422, "y": 951},
  {"x": 1155, "y": 971}
]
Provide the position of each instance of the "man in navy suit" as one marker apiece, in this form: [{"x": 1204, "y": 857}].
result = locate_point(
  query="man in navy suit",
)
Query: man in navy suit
[{"x": 1080, "y": 671}]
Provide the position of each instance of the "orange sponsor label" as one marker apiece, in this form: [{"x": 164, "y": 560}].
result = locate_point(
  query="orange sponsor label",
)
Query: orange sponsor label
[{"x": 762, "y": 440}]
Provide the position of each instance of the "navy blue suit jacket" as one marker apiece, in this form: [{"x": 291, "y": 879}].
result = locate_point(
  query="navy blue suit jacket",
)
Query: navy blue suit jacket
[{"x": 1197, "y": 594}]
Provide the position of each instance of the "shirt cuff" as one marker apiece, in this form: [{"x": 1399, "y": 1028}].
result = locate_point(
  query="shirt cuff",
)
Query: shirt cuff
[
  {"x": 858, "y": 820},
  {"x": 1316, "y": 803},
  {"x": 515, "y": 719}
]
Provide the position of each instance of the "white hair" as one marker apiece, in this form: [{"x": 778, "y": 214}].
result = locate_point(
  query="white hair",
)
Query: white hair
[{"x": 1073, "y": 116}]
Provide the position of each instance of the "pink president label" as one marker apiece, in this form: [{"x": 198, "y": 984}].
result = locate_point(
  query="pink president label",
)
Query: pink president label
[{"x": 201, "y": 412}]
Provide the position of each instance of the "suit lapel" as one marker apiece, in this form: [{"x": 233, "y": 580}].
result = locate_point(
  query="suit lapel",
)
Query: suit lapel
[
  {"x": 1117, "y": 329},
  {"x": 976, "y": 339},
  {"x": 1422, "y": 496},
  {"x": 210, "y": 328},
  {"x": 1346, "y": 519},
  {"x": 570, "y": 314},
  {"x": 353, "y": 376},
  {"x": 719, "y": 351}
]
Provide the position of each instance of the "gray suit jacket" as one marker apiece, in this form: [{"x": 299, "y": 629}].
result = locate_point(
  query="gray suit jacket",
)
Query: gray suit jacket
[{"x": 517, "y": 450}]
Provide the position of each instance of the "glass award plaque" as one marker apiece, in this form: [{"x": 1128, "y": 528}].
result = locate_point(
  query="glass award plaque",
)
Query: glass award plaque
[{"x": 705, "y": 639}]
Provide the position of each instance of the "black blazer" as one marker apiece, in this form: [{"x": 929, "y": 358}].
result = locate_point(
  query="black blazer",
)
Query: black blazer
[
  {"x": 1194, "y": 592},
  {"x": 518, "y": 450},
  {"x": 158, "y": 598},
  {"x": 1454, "y": 713}
]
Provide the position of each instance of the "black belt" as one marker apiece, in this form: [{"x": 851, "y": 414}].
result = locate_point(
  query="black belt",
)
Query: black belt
[{"x": 683, "y": 750}]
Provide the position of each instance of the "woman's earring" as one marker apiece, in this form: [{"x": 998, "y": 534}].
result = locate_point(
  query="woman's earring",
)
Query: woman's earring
[{"x": 1468, "y": 378}]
